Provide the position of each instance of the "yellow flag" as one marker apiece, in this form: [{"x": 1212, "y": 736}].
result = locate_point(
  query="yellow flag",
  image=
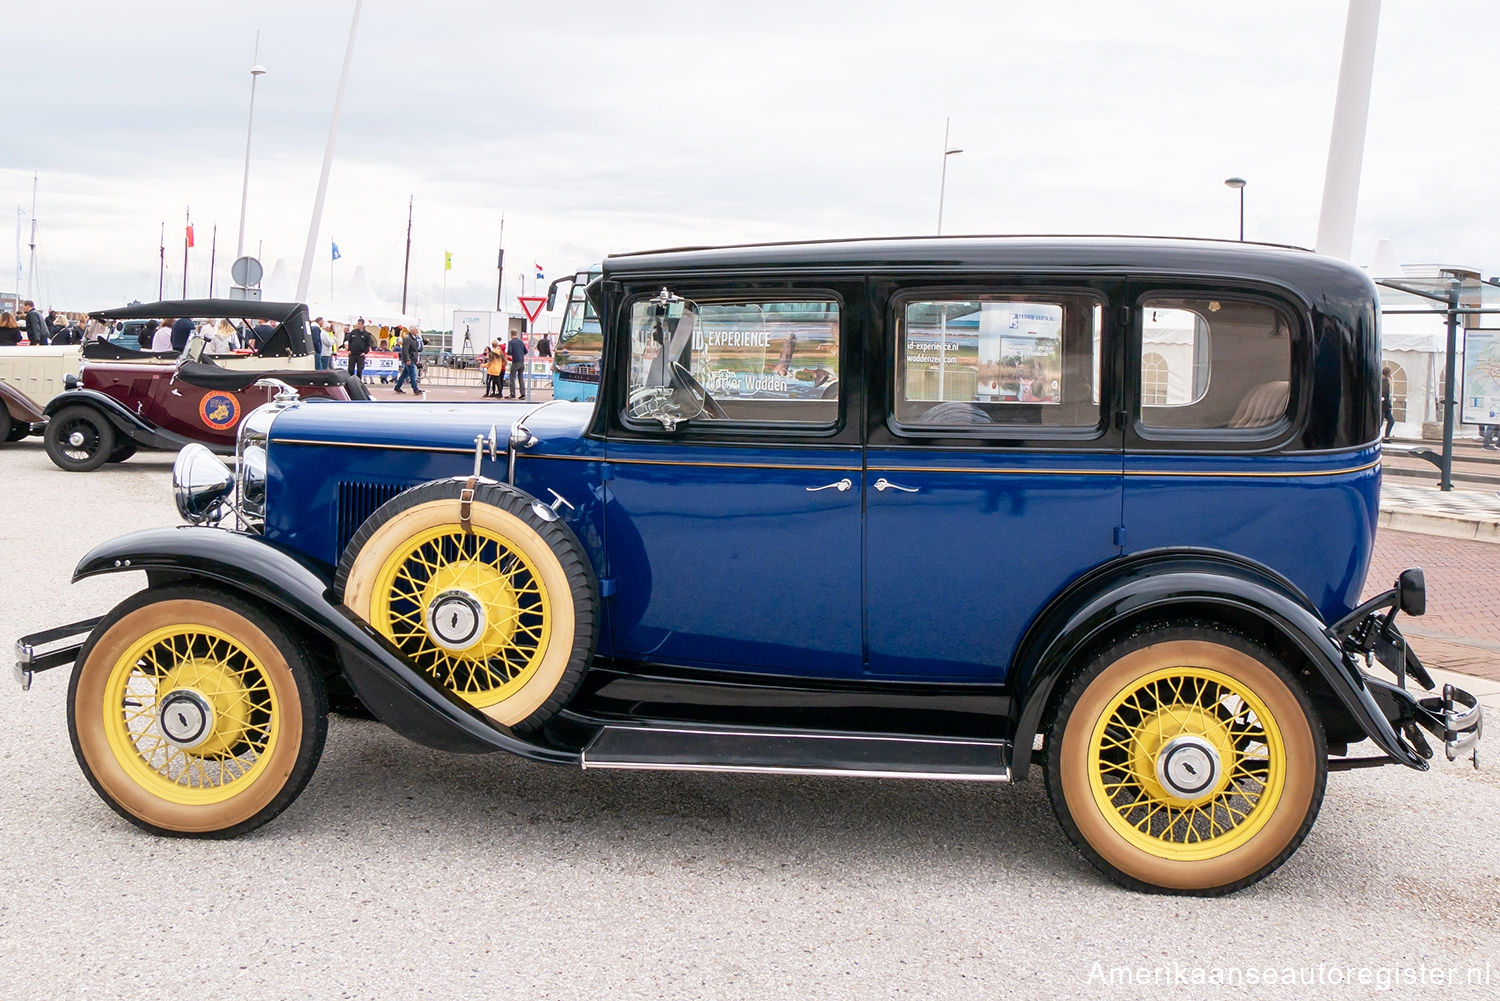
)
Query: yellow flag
[{"x": 447, "y": 261}]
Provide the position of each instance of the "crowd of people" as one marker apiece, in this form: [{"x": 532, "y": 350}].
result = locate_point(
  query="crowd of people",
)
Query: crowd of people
[{"x": 31, "y": 327}]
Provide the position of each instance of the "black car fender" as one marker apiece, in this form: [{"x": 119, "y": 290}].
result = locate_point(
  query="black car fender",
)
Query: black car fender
[
  {"x": 1177, "y": 583},
  {"x": 131, "y": 425},
  {"x": 397, "y": 694}
]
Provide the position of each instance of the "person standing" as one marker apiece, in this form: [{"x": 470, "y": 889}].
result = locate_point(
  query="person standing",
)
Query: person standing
[
  {"x": 411, "y": 350},
  {"x": 161, "y": 338},
  {"x": 182, "y": 329},
  {"x": 1387, "y": 403},
  {"x": 494, "y": 368},
  {"x": 359, "y": 346},
  {"x": 10, "y": 331},
  {"x": 321, "y": 358},
  {"x": 517, "y": 352},
  {"x": 36, "y": 327},
  {"x": 544, "y": 347}
]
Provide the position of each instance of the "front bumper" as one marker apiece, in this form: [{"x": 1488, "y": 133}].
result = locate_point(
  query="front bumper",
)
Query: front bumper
[{"x": 50, "y": 648}]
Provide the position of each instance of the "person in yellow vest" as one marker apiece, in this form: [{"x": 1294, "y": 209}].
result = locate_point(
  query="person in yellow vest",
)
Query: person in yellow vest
[{"x": 495, "y": 370}]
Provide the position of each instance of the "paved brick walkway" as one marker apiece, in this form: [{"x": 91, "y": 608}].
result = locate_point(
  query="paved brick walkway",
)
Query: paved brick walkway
[{"x": 1461, "y": 630}]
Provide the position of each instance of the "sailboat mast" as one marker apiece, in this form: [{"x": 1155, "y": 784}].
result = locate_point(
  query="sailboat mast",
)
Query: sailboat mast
[
  {"x": 161, "y": 274},
  {"x": 406, "y": 268},
  {"x": 500, "y": 266}
]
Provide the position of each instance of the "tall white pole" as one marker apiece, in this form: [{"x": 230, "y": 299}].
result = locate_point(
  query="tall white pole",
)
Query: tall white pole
[
  {"x": 256, "y": 71},
  {"x": 1346, "y": 144},
  {"x": 31, "y": 268},
  {"x": 305, "y": 277}
]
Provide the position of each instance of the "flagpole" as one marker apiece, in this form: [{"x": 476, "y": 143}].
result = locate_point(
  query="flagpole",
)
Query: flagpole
[
  {"x": 406, "y": 267},
  {"x": 500, "y": 266},
  {"x": 161, "y": 274},
  {"x": 213, "y": 257},
  {"x": 188, "y": 215},
  {"x": 444, "y": 317}
]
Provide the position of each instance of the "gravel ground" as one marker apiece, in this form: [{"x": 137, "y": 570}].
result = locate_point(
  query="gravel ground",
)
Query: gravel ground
[{"x": 403, "y": 872}]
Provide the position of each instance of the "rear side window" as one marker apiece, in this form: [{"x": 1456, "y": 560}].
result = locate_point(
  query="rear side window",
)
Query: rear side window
[
  {"x": 999, "y": 360},
  {"x": 1213, "y": 363}
]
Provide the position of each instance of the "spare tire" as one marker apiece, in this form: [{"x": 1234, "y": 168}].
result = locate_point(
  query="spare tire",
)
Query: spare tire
[{"x": 501, "y": 610}]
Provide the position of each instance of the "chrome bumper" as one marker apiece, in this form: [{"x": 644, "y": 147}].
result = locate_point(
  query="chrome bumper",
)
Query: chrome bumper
[
  {"x": 50, "y": 648},
  {"x": 1457, "y": 719}
]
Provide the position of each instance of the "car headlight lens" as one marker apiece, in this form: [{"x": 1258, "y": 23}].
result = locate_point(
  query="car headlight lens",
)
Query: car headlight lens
[{"x": 200, "y": 483}]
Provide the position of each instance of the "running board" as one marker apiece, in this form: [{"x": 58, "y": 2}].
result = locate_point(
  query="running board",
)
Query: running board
[{"x": 783, "y": 752}]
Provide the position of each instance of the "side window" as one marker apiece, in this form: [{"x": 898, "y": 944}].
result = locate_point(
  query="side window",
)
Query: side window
[
  {"x": 1213, "y": 363},
  {"x": 1020, "y": 361},
  {"x": 736, "y": 361}
]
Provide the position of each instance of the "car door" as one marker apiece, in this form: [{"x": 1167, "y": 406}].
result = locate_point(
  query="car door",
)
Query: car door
[
  {"x": 993, "y": 472},
  {"x": 732, "y": 527}
]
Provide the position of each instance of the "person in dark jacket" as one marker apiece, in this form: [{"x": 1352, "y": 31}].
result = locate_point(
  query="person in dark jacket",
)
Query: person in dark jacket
[
  {"x": 411, "y": 353},
  {"x": 359, "y": 344},
  {"x": 516, "y": 349},
  {"x": 36, "y": 327},
  {"x": 10, "y": 331},
  {"x": 182, "y": 329}
]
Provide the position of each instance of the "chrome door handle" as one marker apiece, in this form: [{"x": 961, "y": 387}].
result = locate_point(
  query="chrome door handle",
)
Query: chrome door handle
[
  {"x": 884, "y": 484},
  {"x": 840, "y": 486}
]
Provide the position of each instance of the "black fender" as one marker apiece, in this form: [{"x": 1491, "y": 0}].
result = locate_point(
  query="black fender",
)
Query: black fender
[
  {"x": 131, "y": 425},
  {"x": 398, "y": 695},
  {"x": 1200, "y": 584}
]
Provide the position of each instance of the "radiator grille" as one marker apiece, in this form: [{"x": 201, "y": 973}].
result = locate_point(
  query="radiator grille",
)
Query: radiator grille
[{"x": 357, "y": 501}]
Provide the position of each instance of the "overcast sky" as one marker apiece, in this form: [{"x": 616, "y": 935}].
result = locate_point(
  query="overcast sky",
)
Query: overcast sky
[{"x": 603, "y": 127}]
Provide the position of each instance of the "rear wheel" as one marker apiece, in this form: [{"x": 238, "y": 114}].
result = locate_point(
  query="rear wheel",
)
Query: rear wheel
[
  {"x": 10, "y": 428},
  {"x": 1186, "y": 759},
  {"x": 192, "y": 713},
  {"x": 79, "y": 439}
]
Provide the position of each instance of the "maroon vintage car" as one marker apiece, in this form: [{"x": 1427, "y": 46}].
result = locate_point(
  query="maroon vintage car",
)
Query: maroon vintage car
[
  {"x": 126, "y": 400},
  {"x": 19, "y": 414}
]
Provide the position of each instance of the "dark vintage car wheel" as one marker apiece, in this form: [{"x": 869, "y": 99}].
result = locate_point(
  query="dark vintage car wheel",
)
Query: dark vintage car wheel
[
  {"x": 10, "y": 428},
  {"x": 1186, "y": 759},
  {"x": 502, "y": 614},
  {"x": 194, "y": 714},
  {"x": 79, "y": 439}
]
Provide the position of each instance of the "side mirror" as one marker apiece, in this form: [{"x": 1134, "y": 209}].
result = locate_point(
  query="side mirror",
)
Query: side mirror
[{"x": 551, "y": 296}]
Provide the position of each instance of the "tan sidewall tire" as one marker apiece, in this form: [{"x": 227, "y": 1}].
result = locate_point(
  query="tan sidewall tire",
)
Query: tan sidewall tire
[
  {"x": 116, "y": 784},
  {"x": 1282, "y": 829},
  {"x": 360, "y": 587}
]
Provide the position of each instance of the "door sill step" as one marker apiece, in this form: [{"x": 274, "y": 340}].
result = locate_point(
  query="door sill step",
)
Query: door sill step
[{"x": 782, "y": 752}]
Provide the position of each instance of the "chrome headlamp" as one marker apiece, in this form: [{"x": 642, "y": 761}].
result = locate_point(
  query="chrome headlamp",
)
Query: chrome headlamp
[
  {"x": 250, "y": 454},
  {"x": 200, "y": 483}
]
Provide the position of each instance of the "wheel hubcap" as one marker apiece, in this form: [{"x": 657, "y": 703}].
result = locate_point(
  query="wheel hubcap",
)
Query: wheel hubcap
[
  {"x": 455, "y": 620},
  {"x": 186, "y": 717},
  {"x": 1188, "y": 767},
  {"x": 76, "y": 439}
]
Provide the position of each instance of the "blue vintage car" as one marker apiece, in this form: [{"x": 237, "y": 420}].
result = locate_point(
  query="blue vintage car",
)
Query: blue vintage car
[{"x": 925, "y": 508}]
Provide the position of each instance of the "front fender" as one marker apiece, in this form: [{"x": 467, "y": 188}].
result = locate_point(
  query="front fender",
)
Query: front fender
[
  {"x": 397, "y": 694},
  {"x": 1180, "y": 585}
]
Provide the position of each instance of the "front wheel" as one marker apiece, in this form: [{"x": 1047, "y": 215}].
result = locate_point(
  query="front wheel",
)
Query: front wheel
[
  {"x": 1186, "y": 759},
  {"x": 194, "y": 714},
  {"x": 79, "y": 439}
]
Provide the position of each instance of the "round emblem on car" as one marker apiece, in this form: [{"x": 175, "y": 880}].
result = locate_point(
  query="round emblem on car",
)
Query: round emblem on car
[
  {"x": 186, "y": 717},
  {"x": 455, "y": 620},
  {"x": 1188, "y": 766},
  {"x": 220, "y": 411}
]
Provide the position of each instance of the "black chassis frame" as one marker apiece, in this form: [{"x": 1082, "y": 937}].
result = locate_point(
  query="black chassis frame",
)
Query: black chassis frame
[{"x": 1102, "y": 605}]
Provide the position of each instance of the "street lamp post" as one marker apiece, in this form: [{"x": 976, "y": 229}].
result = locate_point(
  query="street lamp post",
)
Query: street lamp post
[
  {"x": 1239, "y": 182},
  {"x": 943, "y": 184},
  {"x": 256, "y": 71}
]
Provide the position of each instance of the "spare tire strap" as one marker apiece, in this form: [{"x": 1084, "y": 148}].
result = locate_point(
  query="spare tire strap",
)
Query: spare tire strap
[{"x": 466, "y": 505}]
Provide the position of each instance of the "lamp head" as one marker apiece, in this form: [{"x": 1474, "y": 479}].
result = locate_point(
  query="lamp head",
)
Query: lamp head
[{"x": 1234, "y": 182}]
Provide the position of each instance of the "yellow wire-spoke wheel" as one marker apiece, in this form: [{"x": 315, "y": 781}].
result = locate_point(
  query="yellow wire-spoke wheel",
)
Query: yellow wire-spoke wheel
[
  {"x": 190, "y": 714},
  {"x": 1186, "y": 759},
  {"x": 193, "y": 712},
  {"x": 1187, "y": 763},
  {"x": 469, "y": 609},
  {"x": 499, "y": 609}
]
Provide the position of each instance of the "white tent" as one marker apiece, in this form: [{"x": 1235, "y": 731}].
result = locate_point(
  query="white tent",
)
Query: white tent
[
  {"x": 277, "y": 287},
  {"x": 357, "y": 300}
]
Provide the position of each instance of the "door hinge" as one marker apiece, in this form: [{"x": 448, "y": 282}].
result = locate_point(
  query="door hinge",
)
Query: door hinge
[
  {"x": 606, "y": 472},
  {"x": 1120, "y": 536},
  {"x": 606, "y": 587}
]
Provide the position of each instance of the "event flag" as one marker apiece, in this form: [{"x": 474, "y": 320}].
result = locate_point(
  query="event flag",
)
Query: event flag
[
  {"x": 336, "y": 254},
  {"x": 539, "y": 275},
  {"x": 447, "y": 260},
  {"x": 190, "y": 235}
]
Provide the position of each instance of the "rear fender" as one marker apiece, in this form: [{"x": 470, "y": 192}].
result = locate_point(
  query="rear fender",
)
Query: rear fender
[
  {"x": 1162, "y": 585},
  {"x": 398, "y": 695}
]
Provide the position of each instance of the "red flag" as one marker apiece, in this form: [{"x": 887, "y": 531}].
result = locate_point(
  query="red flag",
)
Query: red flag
[{"x": 190, "y": 236}]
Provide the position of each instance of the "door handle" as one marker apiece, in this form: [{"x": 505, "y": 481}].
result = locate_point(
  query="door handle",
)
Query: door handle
[
  {"x": 884, "y": 484},
  {"x": 840, "y": 486}
]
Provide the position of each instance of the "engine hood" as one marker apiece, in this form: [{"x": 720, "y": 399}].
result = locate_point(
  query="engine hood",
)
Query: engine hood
[{"x": 437, "y": 427}]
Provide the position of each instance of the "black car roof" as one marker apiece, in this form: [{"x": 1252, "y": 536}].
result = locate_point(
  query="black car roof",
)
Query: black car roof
[
  {"x": 203, "y": 309},
  {"x": 1293, "y": 266}
]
